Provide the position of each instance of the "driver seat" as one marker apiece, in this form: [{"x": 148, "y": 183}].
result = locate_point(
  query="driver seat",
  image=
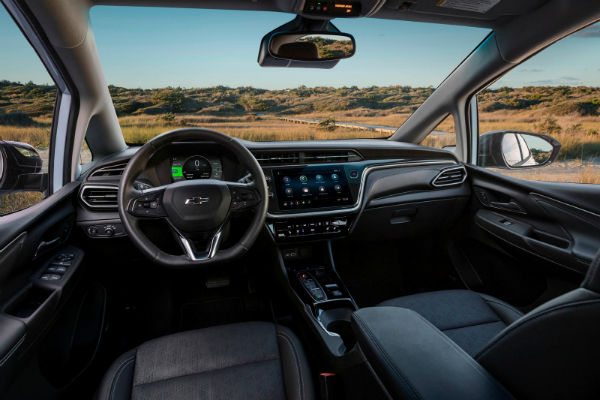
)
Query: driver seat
[{"x": 251, "y": 360}]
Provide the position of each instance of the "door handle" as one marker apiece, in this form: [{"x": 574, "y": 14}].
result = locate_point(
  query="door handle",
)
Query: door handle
[{"x": 508, "y": 206}]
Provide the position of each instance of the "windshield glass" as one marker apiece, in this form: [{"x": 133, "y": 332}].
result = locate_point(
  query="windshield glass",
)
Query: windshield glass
[{"x": 171, "y": 68}]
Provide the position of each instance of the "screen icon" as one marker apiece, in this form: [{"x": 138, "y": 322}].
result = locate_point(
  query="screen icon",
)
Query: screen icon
[
  {"x": 335, "y": 177},
  {"x": 303, "y": 178}
]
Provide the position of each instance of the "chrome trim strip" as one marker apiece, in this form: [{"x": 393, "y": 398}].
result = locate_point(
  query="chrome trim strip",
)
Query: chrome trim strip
[
  {"x": 85, "y": 186},
  {"x": 357, "y": 205},
  {"x": 211, "y": 251},
  {"x": 461, "y": 167}
]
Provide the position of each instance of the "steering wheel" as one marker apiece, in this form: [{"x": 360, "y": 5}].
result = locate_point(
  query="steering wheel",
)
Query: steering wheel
[{"x": 193, "y": 208}]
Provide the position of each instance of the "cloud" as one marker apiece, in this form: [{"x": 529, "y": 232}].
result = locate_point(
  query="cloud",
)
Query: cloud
[
  {"x": 565, "y": 80},
  {"x": 544, "y": 82},
  {"x": 590, "y": 32},
  {"x": 534, "y": 70}
]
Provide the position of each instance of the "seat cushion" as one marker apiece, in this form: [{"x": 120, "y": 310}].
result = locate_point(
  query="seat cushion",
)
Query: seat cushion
[
  {"x": 469, "y": 318},
  {"x": 254, "y": 360}
]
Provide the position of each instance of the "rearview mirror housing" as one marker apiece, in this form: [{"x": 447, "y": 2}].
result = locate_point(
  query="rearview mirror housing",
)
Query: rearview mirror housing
[
  {"x": 510, "y": 149},
  {"x": 305, "y": 43}
]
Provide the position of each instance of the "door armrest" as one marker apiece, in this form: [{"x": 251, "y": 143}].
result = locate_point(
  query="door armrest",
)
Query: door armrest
[{"x": 415, "y": 360}]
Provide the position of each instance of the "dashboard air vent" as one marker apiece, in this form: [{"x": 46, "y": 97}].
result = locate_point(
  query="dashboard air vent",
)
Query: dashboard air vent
[
  {"x": 450, "y": 176},
  {"x": 109, "y": 170},
  {"x": 306, "y": 157},
  {"x": 99, "y": 196},
  {"x": 320, "y": 157},
  {"x": 277, "y": 158}
]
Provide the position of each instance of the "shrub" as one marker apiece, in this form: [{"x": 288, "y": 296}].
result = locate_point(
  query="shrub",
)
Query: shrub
[
  {"x": 327, "y": 124},
  {"x": 168, "y": 117},
  {"x": 174, "y": 99},
  {"x": 549, "y": 126},
  {"x": 16, "y": 118}
]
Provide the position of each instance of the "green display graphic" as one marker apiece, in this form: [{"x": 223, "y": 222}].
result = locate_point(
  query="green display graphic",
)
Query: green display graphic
[{"x": 177, "y": 172}]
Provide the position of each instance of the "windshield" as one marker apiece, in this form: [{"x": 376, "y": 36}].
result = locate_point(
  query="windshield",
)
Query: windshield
[{"x": 172, "y": 68}]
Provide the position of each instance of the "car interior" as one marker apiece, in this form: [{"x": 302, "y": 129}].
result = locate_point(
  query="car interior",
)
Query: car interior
[{"x": 200, "y": 265}]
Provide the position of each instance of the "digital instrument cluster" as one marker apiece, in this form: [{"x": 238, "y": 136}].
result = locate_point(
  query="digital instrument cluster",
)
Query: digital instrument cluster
[{"x": 196, "y": 167}]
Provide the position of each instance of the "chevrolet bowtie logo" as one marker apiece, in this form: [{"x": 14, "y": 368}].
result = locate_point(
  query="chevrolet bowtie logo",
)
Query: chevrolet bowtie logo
[{"x": 192, "y": 201}]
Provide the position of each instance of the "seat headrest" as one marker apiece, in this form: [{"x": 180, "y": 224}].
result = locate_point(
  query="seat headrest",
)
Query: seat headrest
[{"x": 592, "y": 278}]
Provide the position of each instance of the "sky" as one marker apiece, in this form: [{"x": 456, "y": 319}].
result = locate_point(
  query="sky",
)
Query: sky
[{"x": 157, "y": 47}]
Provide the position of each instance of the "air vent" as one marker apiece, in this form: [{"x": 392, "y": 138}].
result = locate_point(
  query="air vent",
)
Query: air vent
[
  {"x": 320, "y": 157},
  {"x": 99, "y": 196},
  {"x": 109, "y": 171},
  {"x": 306, "y": 157},
  {"x": 450, "y": 176},
  {"x": 277, "y": 158}
]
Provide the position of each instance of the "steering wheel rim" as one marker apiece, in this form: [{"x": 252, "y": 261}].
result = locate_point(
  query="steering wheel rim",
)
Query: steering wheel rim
[{"x": 128, "y": 198}]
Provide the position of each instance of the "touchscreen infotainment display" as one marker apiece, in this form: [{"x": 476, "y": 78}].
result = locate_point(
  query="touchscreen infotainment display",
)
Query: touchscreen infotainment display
[{"x": 312, "y": 188}]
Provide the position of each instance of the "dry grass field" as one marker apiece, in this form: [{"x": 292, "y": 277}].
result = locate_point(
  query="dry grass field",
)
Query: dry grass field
[{"x": 569, "y": 114}]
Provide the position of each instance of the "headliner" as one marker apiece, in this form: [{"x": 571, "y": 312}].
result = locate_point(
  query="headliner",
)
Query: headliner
[{"x": 410, "y": 10}]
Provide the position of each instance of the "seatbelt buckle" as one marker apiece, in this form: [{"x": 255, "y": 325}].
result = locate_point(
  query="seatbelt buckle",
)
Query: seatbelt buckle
[{"x": 328, "y": 386}]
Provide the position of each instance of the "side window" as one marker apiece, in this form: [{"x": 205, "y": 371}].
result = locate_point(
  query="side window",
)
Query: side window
[
  {"x": 541, "y": 121},
  {"x": 27, "y": 101},
  {"x": 443, "y": 136}
]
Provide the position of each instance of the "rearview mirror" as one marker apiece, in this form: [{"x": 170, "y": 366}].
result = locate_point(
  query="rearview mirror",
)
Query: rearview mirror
[
  {"x": 312, "y": 46},
  {"x": 516, "y": 149},
  {"x": 305, "y": 43}
]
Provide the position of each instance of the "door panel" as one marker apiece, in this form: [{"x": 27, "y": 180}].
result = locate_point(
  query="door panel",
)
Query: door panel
[
  {"x": 529, "y": 240},
  {"x": 29, "y": 304}
]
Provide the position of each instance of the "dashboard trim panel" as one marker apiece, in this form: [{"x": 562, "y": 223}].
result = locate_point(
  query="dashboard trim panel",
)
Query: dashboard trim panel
[{"x": 358, "y": 204}]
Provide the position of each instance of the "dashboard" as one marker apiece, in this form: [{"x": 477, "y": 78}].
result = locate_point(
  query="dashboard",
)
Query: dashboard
[{"x": 370, "y": 189}]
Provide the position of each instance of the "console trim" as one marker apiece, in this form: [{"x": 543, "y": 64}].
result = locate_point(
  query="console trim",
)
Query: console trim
[{"x": 358, "y": 204}]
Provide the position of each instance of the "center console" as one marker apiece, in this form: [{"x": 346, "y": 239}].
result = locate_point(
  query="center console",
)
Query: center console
[{"x": 320, "y": 294}]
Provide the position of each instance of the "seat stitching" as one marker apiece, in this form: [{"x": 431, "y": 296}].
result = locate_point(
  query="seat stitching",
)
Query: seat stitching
[
  {"x": 470, "y": 326},
  {"x": 287, "y": 338},
  {"x": 385, "y": 356},
  {"x": 118, "y": 375},
  {"x": 207, "y": 371},
  {"x": 505, "y": 306}
]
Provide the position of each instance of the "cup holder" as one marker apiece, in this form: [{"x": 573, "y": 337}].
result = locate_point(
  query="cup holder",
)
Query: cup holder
[{"x": 335, "y": 319}]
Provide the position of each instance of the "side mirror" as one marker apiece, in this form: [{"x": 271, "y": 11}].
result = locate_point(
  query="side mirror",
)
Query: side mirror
[
  {"x": 516, "y": 149},
  {"x": 312, "y": 46},
  {"x": 20, "y": 168}
]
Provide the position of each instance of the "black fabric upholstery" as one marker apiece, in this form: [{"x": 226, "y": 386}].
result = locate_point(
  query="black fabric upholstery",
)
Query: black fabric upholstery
[
  {"x": 592, "y": 278},
  {"x": 468, "y": 318},
  {"x": 254, "y": 360},
  {"x": 552, "y": 352},
  {"x": 415, "y": 360}
]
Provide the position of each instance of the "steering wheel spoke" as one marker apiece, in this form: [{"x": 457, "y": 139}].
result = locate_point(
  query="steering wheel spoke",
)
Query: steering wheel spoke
[
  {"x": 211, "y": 249},
  {"x": 244, "y": 196},
  {"x": 148, "y": 203}
]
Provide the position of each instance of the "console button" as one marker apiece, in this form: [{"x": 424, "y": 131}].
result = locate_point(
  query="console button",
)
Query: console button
[
  {"x": 56, "y": 269},
  {"x": 65, "y": 257},
  {"x": 50, "y": 277}
]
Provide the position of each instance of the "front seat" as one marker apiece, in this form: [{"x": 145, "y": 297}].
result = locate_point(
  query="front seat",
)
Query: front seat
[
  {"x": 251, "y": 361},
  {"x": 469, "y": 318},
  {"x": 551, "y": 352}
]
